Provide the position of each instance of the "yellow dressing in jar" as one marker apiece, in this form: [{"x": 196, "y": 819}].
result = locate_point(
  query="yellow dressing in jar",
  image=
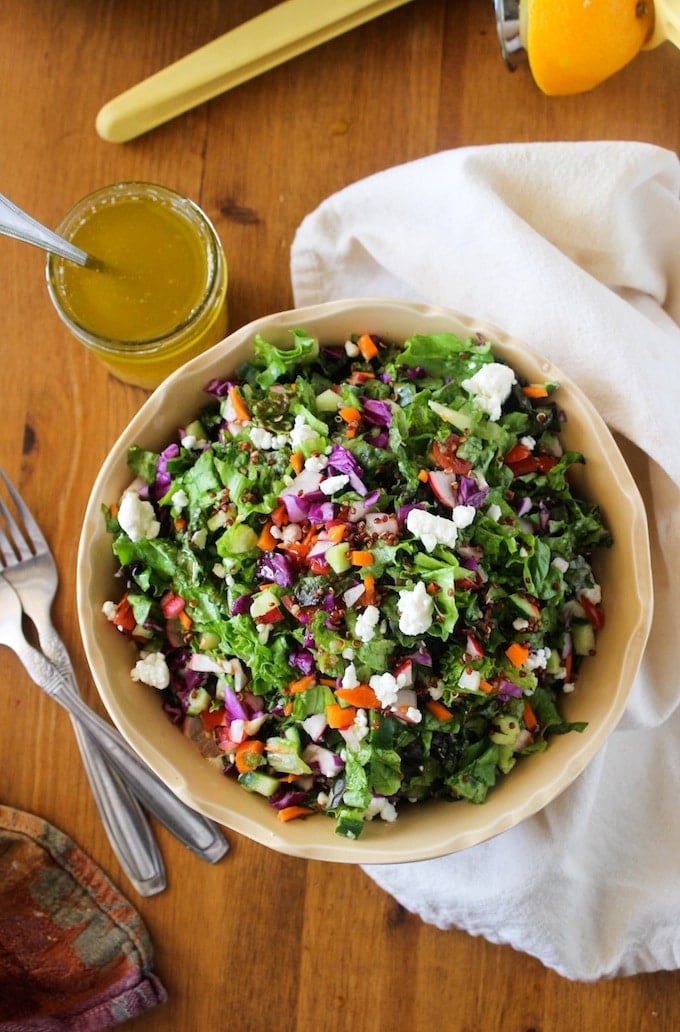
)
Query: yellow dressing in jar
[{"x": 158, "y": 296}]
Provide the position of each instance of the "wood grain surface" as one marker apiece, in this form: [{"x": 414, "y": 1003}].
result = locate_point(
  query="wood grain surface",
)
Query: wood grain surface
[{"x": 261, "y": 942}]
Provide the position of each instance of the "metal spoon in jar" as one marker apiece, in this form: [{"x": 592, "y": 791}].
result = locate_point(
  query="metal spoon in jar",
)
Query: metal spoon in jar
[{"x": 17, "y": 224}]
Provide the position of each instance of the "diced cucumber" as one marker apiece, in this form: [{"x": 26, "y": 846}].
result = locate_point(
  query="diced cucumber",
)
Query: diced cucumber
[
  {"x": 239, "y": 538},
  {"x": 459, "y": 419},
  {"x": 583, "y": 637},
  {"x": 525, "y": 605},
  {"x": 337, "y": 557},
  {"x": 328, "y": 401},
  {"x": 195, "y": 430},
  {"x": 257, "y": 781},
  {"x": 199, "y": 700}
]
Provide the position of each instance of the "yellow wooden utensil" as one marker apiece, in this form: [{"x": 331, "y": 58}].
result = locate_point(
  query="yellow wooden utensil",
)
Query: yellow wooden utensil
[{"x": 275, "y": 36}]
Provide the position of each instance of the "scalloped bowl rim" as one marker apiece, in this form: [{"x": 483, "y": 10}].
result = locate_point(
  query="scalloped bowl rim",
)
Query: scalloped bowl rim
[{"x": 426, "y": 830}]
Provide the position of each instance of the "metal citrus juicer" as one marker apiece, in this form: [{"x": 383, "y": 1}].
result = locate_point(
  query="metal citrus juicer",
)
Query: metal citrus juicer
[{"x": 511, "y": 27}]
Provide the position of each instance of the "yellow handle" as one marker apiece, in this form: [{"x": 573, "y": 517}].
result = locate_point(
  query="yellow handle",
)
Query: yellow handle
[{"x": 277, "y": 35}]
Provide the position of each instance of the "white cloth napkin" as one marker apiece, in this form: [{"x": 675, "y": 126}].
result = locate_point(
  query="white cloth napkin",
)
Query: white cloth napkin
[{"x": 575, "y": 249}]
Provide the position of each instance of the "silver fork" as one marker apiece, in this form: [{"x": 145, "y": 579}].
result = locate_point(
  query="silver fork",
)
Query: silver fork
[
  {"x": 33, "y": 575},
  {"x": 30, "y": 565}
]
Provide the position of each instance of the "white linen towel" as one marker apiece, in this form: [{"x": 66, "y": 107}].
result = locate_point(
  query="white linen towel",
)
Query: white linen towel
[{"x": 575, "y": 249}]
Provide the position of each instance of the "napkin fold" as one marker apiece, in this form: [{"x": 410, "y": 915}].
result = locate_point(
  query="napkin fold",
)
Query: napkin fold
[
  {"x": 74, "y": 953},
  {"x": 575, "y": 249}
]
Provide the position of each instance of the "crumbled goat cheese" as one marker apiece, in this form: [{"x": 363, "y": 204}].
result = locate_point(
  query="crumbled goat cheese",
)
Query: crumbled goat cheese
[
  {"x": 439, "y": 530},
  {"x": 416, "y": 609},
  {"x": 192, "y": 443},
  {"x": 385, "y": 687},
  {"x": 381, "y": 807},
  {"x": 367, "y": 623},
  {"x": 179, "y": 499},
  {"x": 261, "y": 438},
  {"x": 137, "y": 518},
  {"x": 317, "y": 463},
  {"x": 470, "y": 680},
  {"x": 560, "y": 563},
  {"x": 490, "y": 386},
  {"x": 152, "y": 670},
  {"x": 538, "y": 659},
  {"x": 349, "y": 678},
  {"x": 330, "y": 485},
  {"x": 302, "y": 432}
]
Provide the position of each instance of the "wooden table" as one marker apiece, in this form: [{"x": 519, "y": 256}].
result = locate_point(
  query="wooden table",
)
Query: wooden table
[{"x": 261, "y": 941}]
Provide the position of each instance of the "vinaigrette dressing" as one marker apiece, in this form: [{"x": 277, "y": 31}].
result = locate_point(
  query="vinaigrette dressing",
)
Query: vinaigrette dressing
[{"x": 159, "y": 297}]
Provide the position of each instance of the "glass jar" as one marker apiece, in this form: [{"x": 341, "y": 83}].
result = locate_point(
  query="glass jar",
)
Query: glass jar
[{"x": 156, "y": 295}]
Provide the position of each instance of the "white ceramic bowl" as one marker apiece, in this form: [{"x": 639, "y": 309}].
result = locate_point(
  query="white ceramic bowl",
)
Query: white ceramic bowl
[{"x": 428, "y": 829}]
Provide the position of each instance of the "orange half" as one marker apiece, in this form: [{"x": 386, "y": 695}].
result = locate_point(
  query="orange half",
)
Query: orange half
[{"x": 573, "y": 45}]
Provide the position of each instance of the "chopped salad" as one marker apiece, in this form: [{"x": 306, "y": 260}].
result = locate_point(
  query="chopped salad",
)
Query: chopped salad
[{"x": 360, "y": 578}]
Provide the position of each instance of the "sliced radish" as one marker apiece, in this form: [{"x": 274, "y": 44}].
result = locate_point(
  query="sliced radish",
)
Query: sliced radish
[{"x": 444, "y": 487}]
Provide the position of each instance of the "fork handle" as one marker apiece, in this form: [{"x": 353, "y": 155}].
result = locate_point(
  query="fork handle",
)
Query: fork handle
[
  {"x": 196, "y": 832},
  {"x": 192, "y": 829},
  {"x": 124, "y": 821}
]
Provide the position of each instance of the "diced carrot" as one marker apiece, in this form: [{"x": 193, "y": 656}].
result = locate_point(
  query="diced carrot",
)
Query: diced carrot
[
  {"x": 289, "y": 813},
  {"x": 184, "y": 619},
  {"x": 349, "y": 414},
  {"x": 266, "y": 541},
  {"x": 301, "y": 684},
  {"x": 361, "y": 557},
  {"x": 568, "y": 663},
  {"x": 535, "y": 390},
  {"x": 238, "y": 405},
  {"x": 288, "y": 709},
  {"x": 530, "y": 721},
  {"x": 484, "y": 686},
  {"x": 328, "y": 681},
  {"x": 423, "y": 476},
  {"x": 336, "y": 531},
  {"x": 438, "y": 710},
  {"x": 367, "y": 347},
  {"x": 340, "y": 716},
  {"x": 517, "y": 653},
  {"x": 279, "y": 515},
  {"x": 362, "y": 696},
  {"x": 297, "y": 461},
  {"x": 247, "y": 754},
  {"x": 369, "y": 597},
  {"x": 351, "y": 431},
  {"x": 180, "y": 523}
]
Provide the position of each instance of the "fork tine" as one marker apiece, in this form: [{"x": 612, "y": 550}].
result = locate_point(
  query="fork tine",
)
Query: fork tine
[
  {"x": 36, "y": 537},
  {"x": 7, "y": 556}
]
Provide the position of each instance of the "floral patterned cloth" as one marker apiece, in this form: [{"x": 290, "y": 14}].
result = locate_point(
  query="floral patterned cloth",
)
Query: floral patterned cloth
[{"x": 74, "y": 953}]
